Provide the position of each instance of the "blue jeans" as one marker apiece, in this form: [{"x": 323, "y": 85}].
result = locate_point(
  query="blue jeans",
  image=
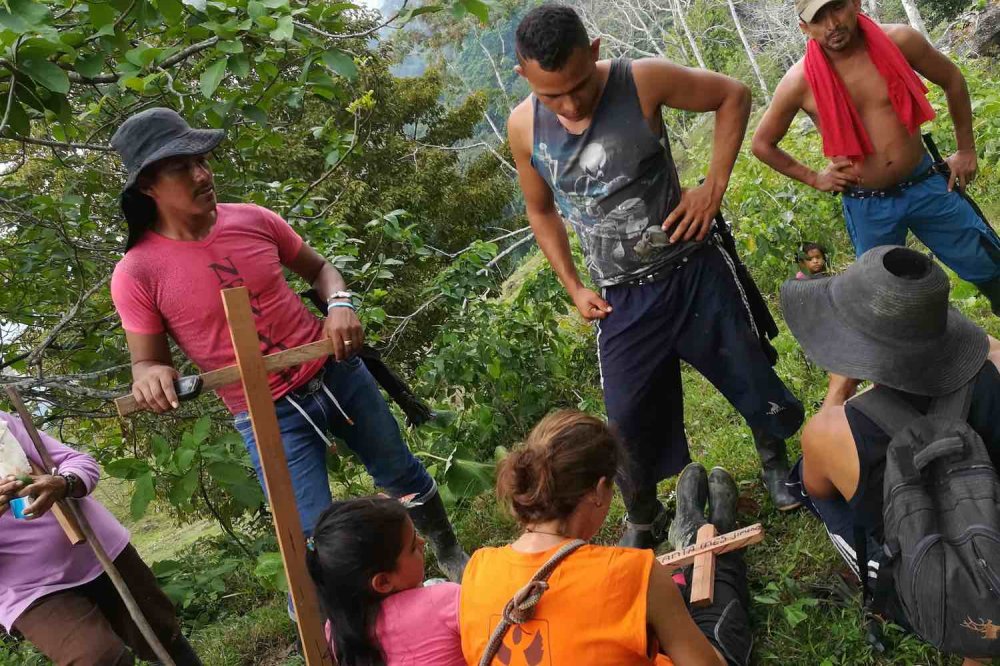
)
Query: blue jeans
[
  {"x": 374, "y": 437},
  {"x": 944, "y": 221}
]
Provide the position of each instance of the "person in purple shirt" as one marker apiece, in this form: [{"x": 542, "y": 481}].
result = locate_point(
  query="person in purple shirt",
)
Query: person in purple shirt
[{"x": 56, "y": 595}]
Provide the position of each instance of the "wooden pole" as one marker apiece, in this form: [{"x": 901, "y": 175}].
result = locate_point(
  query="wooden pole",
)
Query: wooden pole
[
  {"x": 277, "y": 478},
  {"x": 91, "y": 537}
]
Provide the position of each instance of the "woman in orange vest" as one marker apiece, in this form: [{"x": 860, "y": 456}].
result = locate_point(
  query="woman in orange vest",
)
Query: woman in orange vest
[{"x": 602, "y": 605}]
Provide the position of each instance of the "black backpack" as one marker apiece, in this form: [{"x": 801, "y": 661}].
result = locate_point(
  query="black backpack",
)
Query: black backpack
[{"x": 941, "y": 515}]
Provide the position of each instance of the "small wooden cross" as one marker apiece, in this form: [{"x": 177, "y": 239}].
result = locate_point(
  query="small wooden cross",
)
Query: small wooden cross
[{"x": 707, "y": 546}]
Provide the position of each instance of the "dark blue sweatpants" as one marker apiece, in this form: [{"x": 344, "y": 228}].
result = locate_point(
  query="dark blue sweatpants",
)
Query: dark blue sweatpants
[{"x": 698, "y": 314}]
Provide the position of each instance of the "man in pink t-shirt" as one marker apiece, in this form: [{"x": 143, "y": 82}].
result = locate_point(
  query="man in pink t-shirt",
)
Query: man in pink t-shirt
[{"x": 182, "y": 249}]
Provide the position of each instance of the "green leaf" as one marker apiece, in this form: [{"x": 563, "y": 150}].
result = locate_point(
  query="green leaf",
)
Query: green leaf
[
  {"x": 247, "y": 494},
  {"x": 172, "y": 10},
  {"x": 411, "y": 14},
  {"x": 47, "y": 75},
  {"x": 228, "y": 473},
  {"x": 201, "y": 428},
  {"x": 239, "y": 65},
  {"x": 468, "y": 478},
  {"x": 275, "y": 4},
  {"x": 340, "y": 62},
  {"x": 142, "y": 495},
  {"x": 19, "y": 121},
  {"x": 255, "y": 9},
  {"x": 285, "y": 29},
  {"x": 183, "y": 457},
  {"x": 271, "y": 569},
  {"x": 230, "y": 46},
  {"x": 184, "y": 488},
  {"x": 256, "y": 114},
  {"x": 101, "y": 14},
  {"x": 90, "y": 65},
  {"x": 478, "y": 9},
  {"x": 212, "y": 77},
  {"x": 126, "y": 468},
  {"x": 20, "y": 16}
]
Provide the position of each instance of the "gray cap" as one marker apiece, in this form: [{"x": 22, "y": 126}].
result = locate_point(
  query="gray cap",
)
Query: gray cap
[
  {"x": 156, "y": 134},
  {"x": 887, "y": 319},
  {"x": 807, "y": 9}
]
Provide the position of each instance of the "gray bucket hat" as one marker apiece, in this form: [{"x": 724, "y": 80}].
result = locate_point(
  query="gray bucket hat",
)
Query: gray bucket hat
[
  {"x": 156, "y": 134},
  {"x": 887, "y": 319}
]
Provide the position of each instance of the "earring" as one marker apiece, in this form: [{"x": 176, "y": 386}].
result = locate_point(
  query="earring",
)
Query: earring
[{"x": 598, "y": 504}]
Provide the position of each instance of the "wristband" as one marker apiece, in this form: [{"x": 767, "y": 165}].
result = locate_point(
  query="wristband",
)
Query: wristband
[
  {"x": 340, "y": 304},
  {"x": 71, "y": 481},
  {"x": 340, "y": 294}
]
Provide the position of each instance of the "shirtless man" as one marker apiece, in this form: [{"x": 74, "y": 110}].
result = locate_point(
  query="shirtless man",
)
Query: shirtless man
[
  {"x": 591, "y": 149},
  {"x": 893, "y": 188}
]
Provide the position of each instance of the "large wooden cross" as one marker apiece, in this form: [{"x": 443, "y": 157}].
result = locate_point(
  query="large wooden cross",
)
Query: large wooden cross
[{"x": 278, "y": 479}]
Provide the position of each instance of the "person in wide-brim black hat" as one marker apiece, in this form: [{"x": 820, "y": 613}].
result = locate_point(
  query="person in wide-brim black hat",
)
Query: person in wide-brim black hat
[{"x": 885, "y": 319}]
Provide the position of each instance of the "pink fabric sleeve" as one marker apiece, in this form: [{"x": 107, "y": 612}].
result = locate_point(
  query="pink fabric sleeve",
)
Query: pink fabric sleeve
[
  {"x": 289, "y": 243},
  {"x": 135, "y": 305}
]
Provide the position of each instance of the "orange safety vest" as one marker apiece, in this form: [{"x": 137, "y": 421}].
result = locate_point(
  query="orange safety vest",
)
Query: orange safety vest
[{"x": 594, "y": 612}]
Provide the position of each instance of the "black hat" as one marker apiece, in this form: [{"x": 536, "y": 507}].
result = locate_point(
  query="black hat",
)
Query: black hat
[
  {"x": 156, "y": 134},
  {"x": 887, "y": 319}
]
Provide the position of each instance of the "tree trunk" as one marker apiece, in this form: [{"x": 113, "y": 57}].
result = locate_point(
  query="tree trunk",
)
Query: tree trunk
[
  {"x": 687, "y": 32},
  {"x": 871, "y": 8},
  {"x": 750, "y": 55},
  {"x": 913, "y": 14}
]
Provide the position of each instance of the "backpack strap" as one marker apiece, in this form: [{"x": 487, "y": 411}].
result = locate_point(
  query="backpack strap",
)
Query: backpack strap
[
  {"x": 956, "y": 404},
  {"x": 886, "y": 409},
  {"x": 521, "y": 608}
]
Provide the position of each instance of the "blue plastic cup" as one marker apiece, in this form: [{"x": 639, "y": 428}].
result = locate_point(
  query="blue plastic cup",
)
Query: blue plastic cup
[{"x": 18, "y": 505}]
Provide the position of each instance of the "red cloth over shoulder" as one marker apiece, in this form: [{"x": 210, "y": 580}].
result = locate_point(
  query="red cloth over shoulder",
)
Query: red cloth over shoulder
[{"x": 844, "y": 134}]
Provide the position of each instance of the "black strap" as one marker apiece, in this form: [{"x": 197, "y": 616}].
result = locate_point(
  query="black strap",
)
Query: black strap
[
  {"x": 886, "y": 409},
  {"x": 956, "y": 404}
]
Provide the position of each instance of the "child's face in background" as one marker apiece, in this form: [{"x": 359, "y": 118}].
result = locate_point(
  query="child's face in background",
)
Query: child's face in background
[
  {"x": 814, "y": 262},
  {"x": 409, "y": 571}
]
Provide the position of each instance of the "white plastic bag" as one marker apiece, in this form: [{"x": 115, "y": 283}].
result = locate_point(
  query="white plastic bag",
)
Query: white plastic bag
[{"x": 13, "y": 461}]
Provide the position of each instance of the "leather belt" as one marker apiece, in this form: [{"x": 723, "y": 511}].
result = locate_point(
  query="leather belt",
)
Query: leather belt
[{"x": 894, "y": 191}]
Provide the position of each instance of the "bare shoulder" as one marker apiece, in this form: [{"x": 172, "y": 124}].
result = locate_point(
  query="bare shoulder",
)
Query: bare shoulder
[
  {"x": 793, "y": 84},
  {"x": 907, "y": 38},
  {"x": 649, "y": 73},
  {"x": 828, "y": 426},
  {"x": 519, "y": 123}
]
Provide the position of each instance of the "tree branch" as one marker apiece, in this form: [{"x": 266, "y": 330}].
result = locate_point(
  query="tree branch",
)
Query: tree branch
[
  {"x": 58, "y": 144},
  {"x": 67, "y": 318},
  {"x": 178, "y": 57}
]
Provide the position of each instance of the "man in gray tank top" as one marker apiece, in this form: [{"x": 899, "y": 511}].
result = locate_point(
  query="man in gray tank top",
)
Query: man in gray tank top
[{"x": 591, "y": 149}]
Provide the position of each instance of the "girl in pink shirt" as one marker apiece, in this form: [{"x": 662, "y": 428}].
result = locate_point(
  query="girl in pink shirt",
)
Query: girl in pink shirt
[{"x": 367, "y": 562}]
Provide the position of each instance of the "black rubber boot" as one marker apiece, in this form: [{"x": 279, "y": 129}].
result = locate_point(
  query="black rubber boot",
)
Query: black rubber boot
[
  {"x": 431, "y": 521},
  {"x": 646, "y": 535},
  {"x": 774, "y": 465},
  {"x": 991, "y": 290},
  {"x": 692, "y": 495},
  {"x": 722, "y": 496}
]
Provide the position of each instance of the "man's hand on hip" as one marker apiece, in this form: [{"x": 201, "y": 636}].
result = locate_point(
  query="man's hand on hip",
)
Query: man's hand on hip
[
  {"x": 590, "y": 304},
  {"x": 838, "y": 175},
  {"x": 153, "y": 388},
  {"x": 963, "y": 166},
  {"x": 692, "y": 218},
  {"x": 343, "y": 327}
]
